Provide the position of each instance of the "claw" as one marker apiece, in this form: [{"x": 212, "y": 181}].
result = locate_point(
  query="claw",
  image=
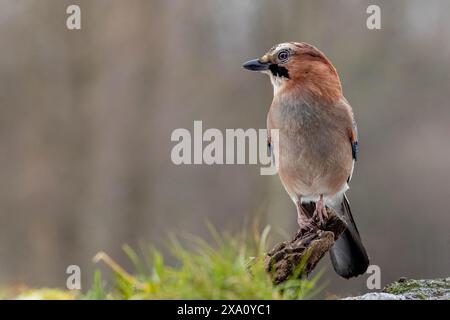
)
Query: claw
[
  {"x": 321, "y": 211},
  {"x": 305, "y": 222}
]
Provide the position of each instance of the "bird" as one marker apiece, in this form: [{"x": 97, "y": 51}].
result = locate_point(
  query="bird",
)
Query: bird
[{"x": 317, "y": 144}]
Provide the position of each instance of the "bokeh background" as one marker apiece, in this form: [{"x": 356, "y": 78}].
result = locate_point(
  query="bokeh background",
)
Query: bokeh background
[{"x": 86, "y": 118}]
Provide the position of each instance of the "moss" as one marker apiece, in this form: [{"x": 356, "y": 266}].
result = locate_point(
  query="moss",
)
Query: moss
[
  {"x": 47, "y": 294},
  {"x": 421, "y": 289}
]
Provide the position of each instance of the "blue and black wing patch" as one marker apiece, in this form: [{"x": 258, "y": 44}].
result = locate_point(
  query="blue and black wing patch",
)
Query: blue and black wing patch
[
  {"x": 355, "y": 150},
  {"x": 354, "y": 141},
  {"x": 270, "y": 149}
]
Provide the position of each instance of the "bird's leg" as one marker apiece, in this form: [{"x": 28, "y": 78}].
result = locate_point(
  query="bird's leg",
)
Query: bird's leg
[
  {"x": 303, "y": 221},
  {"x": 321, "y": 210}
]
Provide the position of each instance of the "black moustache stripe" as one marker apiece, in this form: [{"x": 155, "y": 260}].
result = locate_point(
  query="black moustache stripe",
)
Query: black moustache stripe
[{"x": 278, "y": 71}]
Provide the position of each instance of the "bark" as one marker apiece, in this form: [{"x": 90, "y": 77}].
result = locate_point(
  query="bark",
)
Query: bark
[{"x": 298, "y": 257}]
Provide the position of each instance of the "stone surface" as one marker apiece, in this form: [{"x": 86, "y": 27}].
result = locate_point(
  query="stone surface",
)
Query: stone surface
[
  {"x": 377, "y": 296},
  {"x": 409, "y": 289}
]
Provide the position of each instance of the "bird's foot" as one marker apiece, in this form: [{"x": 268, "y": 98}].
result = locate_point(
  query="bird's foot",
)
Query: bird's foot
[{"x": 321, "y": 211}]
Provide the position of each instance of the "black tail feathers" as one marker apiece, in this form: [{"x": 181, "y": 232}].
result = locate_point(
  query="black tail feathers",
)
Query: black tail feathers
[{"x": 348, "y": 255}]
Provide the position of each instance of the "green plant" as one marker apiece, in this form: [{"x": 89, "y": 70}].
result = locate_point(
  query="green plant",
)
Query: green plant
[
  {"x": 232, "y": 267},
  {"x": 97, "y": 291}
]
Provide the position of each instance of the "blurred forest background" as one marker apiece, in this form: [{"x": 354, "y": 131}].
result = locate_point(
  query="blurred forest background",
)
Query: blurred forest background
[{"x": 86, "y": 118}]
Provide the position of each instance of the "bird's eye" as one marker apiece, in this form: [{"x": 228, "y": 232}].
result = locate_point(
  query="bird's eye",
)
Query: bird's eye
[{"x": 283, "y": 55}]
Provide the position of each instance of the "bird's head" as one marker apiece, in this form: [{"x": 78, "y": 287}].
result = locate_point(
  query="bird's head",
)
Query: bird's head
[{"x": 297, "y": 67}]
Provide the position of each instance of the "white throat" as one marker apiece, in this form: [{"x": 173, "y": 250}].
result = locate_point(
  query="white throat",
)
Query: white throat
[{"x": 277, "y": 82}]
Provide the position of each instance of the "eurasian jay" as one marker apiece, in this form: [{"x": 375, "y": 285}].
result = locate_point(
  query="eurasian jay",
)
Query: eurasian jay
[{"x": 317, "y": 142}]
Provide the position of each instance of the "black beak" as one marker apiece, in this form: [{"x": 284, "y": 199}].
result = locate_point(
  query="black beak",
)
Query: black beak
[{"x": 256, "y": 65}]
